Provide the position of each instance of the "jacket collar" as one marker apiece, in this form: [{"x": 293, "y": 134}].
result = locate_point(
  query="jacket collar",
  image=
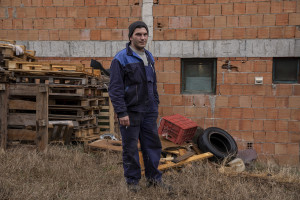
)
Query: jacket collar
[{"x": 130, "y": 53}]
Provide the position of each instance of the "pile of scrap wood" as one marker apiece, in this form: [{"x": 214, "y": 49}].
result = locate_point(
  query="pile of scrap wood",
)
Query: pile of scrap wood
[
  {"x": 173, "y": 155},
  {"x": 76, "y": 97}
]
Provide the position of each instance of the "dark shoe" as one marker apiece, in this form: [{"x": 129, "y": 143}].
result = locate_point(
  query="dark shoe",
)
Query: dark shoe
[
  {"x": 133, "y": 187},
  {"x": 160, "y": 184}
]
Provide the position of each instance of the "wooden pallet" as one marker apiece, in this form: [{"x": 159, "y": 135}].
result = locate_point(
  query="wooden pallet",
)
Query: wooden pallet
[{"x": 106, "y": 117}]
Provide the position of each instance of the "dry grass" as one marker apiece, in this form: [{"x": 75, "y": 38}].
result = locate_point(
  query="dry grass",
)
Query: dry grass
[{"x": 66, "y": 172}]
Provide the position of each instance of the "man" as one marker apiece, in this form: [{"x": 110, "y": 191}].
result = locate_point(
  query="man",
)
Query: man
[{"x": 133, "y": 93}]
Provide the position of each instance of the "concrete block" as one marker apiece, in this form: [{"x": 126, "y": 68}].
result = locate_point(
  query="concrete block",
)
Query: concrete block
[
  {"x": 117, "y": 46},
  {"x": 297, "y": 48},
  {"x": 206, "y": 48},
  {"x": 165, "y": 49},
  {"x": 147, "y": 9},
  {"x": 82, "y": 49},
  {"x": 270, "y": 47},
  {"x": 176, "y": 48},
  {"x": 187, "y": 49},
  {"x": 60, "y": 48},
  {"x": 36, "y": 46}
]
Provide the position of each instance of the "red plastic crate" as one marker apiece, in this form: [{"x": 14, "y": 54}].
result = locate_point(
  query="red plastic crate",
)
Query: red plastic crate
[{"x": 177, "y": 128}]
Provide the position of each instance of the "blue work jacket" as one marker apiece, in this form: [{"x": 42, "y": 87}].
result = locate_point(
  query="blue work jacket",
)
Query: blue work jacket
[{"x": 128, "y": 90}]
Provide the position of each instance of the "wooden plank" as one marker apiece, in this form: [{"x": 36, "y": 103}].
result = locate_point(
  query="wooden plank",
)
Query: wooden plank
[
  {"x": 104, "y": 114},
  {"x": 21, "y": 119},
  {"x": 190, "y": 159},
  {"x": 107, "y": 144},
  {"x": 42, "y": 118},
  {"x": 21, "y": 134},
  {"x": 3, "y": 115},
  {"x": 183, "y": 157},
  {"x": 21, "y": 105},
  {"x": 22, "y": 90},
  {"x": 111, "y": 117}
]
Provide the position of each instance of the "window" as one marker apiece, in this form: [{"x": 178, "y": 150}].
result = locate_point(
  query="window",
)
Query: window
[
  {"x": 198, "y": 75},
  {"x": 286, "y": 70}
]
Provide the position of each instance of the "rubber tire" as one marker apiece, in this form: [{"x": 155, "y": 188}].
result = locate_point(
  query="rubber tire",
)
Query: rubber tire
[
  {"x": 199, "y": 132},
  {"x": 220, "y": 143}
]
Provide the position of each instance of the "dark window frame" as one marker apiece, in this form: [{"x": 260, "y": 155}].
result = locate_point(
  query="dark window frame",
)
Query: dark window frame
[
  {"x": 186, "y": 61},
  {"x": 275, "y": 63}
]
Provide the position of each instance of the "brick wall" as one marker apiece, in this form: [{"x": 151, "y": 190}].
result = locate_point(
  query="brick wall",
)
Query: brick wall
[
  {"x": 67, "y": 19},
  {"x": 225, "y": 19},
  {"x": 266, "y": 116}
]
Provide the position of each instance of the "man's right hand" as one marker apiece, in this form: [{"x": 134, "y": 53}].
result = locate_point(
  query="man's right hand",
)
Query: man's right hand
[{"x": 124, "y": 121}]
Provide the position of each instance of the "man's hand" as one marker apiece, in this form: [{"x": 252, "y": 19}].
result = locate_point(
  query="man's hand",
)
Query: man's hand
[{"x": 124, "y": 121}]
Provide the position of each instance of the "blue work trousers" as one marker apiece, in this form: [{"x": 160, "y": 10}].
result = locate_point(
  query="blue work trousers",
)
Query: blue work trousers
[{"x": 143, "y": 128}]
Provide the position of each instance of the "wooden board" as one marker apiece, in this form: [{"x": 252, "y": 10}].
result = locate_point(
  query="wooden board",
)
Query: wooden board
[
  {"x": 190, "y": 159},
  {"x": 3, "y": 115},
  {"x": 22, "y": 90},
  {"x": 107, "y": 144},
  {"x": 21, "y": 119},
  {"x": 21, "y": 134},
  {"x": 21, "y": 105}
]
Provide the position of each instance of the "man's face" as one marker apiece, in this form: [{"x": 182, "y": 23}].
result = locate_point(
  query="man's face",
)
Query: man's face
[{"x": 139, "y": 38}]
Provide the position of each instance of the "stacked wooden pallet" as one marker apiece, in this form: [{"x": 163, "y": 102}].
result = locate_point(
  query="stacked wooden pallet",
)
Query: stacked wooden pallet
[{"x": 74, "y": 92}]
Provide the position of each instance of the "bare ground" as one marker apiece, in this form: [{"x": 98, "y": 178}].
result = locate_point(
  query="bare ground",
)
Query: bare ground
[{"x": 67, "y": 172}]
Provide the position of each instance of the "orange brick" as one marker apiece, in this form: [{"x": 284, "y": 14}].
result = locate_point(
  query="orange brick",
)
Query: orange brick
[
  {"x": 269, "y": 125},
  {"x": 169, "y": 10},
  {"x": 169, "y": 35},
  {"x": 251, "y": 33},
  {"x": 61, "y": 12},
  {"x": 294, "y": 102},
  {"x": 58, "y": 3},
  {"x": 281, "y": 125},
  {"x": 105, "y": 34},
  {"x": 208, "y": 22},
  {"x": 284, "y": 114},
  {"x": 284, "y": 90},
  {"x": 271, "y": 114},
  {"x": 271, "y": 136},
  {"x": 41, "y": 12},
  {"x": 258, "y": 125},
  {"x": 85, "y": 34},
  {"x": 185, "y": 22},
  {"x": 259, "y": 136},
  {"x": 69, "y": 23},
  {"x": 232, "y": 21},
  {"x": 239, "y": 8},
  {"x": 90, "y": 2},
  {"x": 122, "y": 23},
  {"x": 294, "y": 126},
  {"x": 43, "y": 35},
  {"x": 220, "y": 21},
  {"x": 162, "y": 22},
  {"x": 91, "y": 22},
  {"x": 112, "y": 23},
  {"x": 64, "y": 34},
  {"x": 282, "y": 19},
  {"x": 263, "y": 32},
  {"x": 297, "y": 90},
  {"x": 176, "y": 100},
  {"x": 72, "y": 12},
  {"x": 251, "y": 8},
  {"x": 158, "y": 35},
  {"x": 196, "y": 22},
  {"x": 233, "y": 101},
  {"x": 115, "y": 2},
  {"x": 78, "y": 2},
  {"x": 247, "y": 136},
  {"x": 289, "y": 160},
  {"x": 294, "y": 18},
  {"x": 192, "y": 34},
  {"x": 68, "y": 2},
  {"x": 124, "y": 11},
  {"x": 276, "y": 7},
  {"x": 103, "y": 11},
  {"x": 269, "y": 20},
  {"x": 268, "y": 148},
  {"x": 276, "y": 32},
  {"x": 293, "y": 149},
  {"x": 180, "y": 10},
  {"x": 116, "y": 34},
  {"x": 236, "y": 113},
  {"x": 239, "y": 33},
  {"x": 75, "y": 34},
  {"x": 244, "y": 20},
  {"x": 221, "y": 101},
  {"x": 169, "y": 88},
  {"x": 289, "y": 6},
  {"x": 79, "y": 23},
  {"x": 263, "y": 7},
  {"x": 280, "y": 149},
  {"x": 203, "y": 34},
  {"x": 203, "y": 10},
  {"x": 257, "y": 20},
  {"x": 289, "y": 32},
  {"x": 158, "y": 10},
  {"x": 191, "y": 10},
  {"x": 95, "y": 34},
  {"x": 233, "y": 124},
  {"x": 281, "y": 102},
  {"x": 246, "y": 125},
  {"x": 114, "y": 11},
  {"x": 174, "y": 22},
  {"x": 123, "y": 2},
  {"x": 30, "y": 12},
  {"x": 215, "y": 9},
  {"x": 227, "y": 9},
  {"x": 245, "y": 101},
  {"x": 51, "y": 12},
  {"x": 181, "y": 34}
]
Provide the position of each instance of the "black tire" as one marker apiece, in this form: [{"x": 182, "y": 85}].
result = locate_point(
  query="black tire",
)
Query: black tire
[
  {"x": 199, "y": 132},
  {"x": 217, "y": 141}
]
